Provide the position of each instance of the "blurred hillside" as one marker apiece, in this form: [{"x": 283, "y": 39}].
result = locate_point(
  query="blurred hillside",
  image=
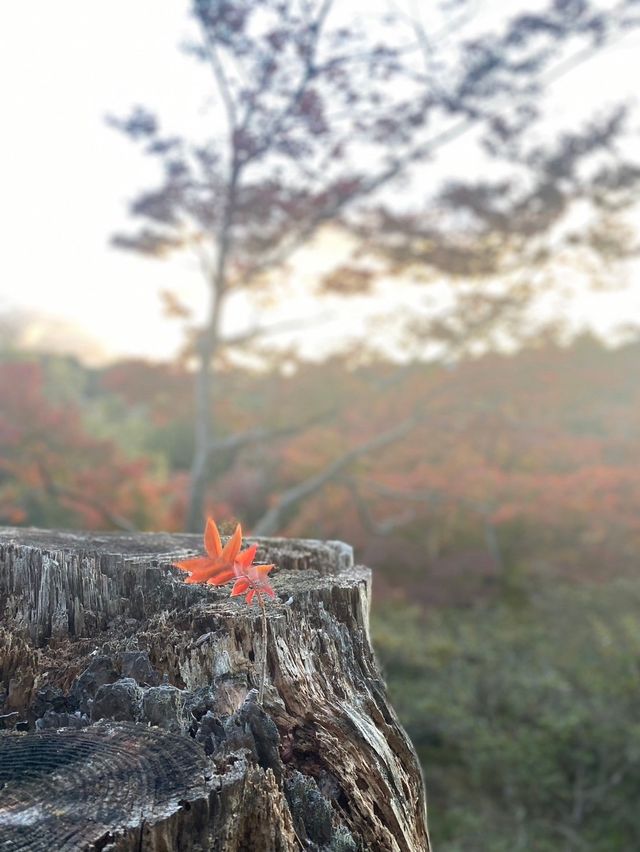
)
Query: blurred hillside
[
  {"x": 520, "y": 468},
  {"x": 507, "y": 516}
]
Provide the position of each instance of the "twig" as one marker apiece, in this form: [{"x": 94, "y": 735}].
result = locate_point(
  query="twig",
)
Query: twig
[
  {"x": 263, "y": 673},
  {"x": 259, "y": 331},
  {"x": 231, "y": 443}
]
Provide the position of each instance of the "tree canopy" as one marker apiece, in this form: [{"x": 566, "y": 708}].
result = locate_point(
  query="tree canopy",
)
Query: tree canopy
[{"x": 322, "y": 120}]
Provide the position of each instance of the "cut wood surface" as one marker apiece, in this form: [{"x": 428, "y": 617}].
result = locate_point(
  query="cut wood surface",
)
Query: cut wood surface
[{"x": 128, "y": 702}]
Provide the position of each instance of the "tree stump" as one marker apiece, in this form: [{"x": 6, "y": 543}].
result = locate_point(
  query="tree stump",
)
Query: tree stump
[{"x": 129, "y": 707}]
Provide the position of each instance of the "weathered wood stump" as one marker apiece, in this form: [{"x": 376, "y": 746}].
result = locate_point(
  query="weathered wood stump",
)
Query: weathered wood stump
[{"x": 129, "y": 709}]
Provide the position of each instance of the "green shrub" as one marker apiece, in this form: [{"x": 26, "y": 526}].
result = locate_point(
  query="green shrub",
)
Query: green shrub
[{"x": 527, "y": 721}]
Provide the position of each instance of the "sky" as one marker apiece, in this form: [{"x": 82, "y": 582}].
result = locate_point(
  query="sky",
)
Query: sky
[{"x": 66, "y": 177}]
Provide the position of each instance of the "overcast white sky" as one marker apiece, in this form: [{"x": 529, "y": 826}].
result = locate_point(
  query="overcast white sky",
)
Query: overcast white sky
[{"x": 65, "y": 177}]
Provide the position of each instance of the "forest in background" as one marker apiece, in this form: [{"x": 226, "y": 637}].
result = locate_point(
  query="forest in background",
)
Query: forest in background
[
  {"x": 507, "y": 517},
  {"x": 519, "y": 466}
]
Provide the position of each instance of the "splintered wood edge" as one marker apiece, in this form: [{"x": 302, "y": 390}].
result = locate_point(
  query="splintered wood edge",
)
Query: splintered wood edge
[
  {"x": 57, "y": 583},
  {"x": 326, "y": 556}
]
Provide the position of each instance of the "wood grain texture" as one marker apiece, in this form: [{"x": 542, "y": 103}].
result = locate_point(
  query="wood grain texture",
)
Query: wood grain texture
[{"x": 101, "y": 634}]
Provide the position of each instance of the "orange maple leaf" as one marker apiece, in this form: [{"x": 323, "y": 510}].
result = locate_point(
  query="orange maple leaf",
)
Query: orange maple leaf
[{"x": 217, "y": 567}]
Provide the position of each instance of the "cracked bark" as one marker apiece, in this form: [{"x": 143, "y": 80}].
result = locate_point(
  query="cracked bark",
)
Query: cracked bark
[{"x": 146, "y": 687}]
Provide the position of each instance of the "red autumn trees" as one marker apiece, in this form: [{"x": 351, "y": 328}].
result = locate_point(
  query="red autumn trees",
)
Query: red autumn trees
[
  {"x": 525, "y": 465},
  {"x": 54, "y": 472}
]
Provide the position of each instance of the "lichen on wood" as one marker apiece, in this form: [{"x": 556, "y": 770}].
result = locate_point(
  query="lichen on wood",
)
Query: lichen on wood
[{"x": 103, "y": 643}]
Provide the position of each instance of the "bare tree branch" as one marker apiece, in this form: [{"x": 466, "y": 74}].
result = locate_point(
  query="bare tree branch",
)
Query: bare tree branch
[
  {"x": 221, "y": 80},
  {"x": 254, "y": 436},
  {"x": 308, "y": 72},
  {"x": 272, "y": 519}
]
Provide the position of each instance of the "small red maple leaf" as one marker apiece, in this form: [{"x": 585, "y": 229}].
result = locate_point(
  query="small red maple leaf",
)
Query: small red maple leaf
[
  {"x": 217, "y": 567},
  {"x": 223, "y": 564},
  {"x": 251, "y": 578}
]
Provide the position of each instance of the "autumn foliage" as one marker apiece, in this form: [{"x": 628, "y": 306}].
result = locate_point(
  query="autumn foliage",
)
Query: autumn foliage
[
  {"x": 56, "y": 472},
  {"x": 516, "y": 467}
]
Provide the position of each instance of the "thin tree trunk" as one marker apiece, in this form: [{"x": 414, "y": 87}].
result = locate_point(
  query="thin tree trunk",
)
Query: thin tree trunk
[
  {"x": 272, "y": 520},
  {"x": 204, "y": 418},
  {"x": 204, "y": 427}
]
